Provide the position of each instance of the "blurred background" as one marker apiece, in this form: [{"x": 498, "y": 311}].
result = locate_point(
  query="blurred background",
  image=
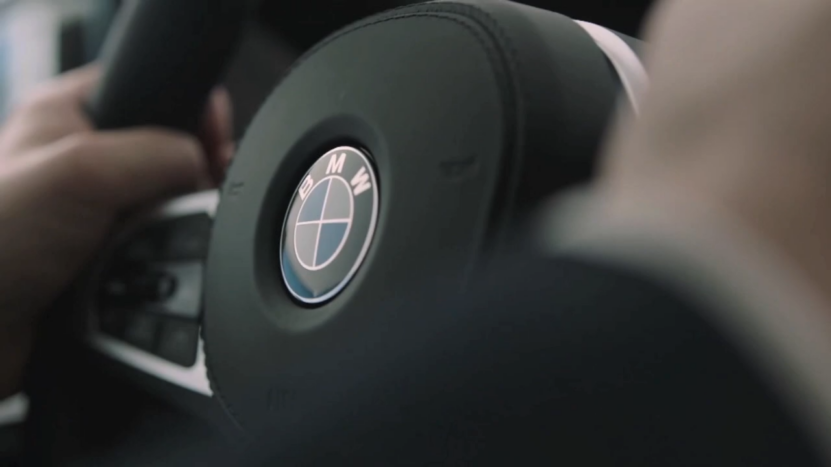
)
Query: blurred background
[{"x": 42, "y": 38}]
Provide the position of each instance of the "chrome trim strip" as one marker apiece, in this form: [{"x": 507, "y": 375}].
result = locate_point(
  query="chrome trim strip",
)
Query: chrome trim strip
[
  {"x": 13, "y": 410},
  {"x": 628, "y": 65}
]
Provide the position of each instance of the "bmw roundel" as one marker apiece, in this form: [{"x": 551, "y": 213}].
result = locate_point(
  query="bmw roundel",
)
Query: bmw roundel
[{"x": 329, "y": 225}]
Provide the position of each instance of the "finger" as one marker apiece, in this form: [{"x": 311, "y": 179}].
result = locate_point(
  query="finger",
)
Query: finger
[
  {"x": 77, "y": 85},
  {"x": 50, "y": 113},
  {"x": 121, "y": 170},
  {"x": 217, "y": 132},
  {"x": 70, "y": 89}
]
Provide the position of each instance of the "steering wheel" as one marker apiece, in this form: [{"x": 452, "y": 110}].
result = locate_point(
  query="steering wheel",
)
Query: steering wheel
[{"x": 399, "y": 154}]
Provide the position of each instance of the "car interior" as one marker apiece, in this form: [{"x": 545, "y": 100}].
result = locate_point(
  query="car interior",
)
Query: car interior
[{"x": 165, "y": 348}]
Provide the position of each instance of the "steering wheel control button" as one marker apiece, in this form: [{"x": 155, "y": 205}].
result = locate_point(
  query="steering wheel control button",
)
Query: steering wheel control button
[
  {"x": 141, "y": 330},
  {"x": 182, "y": 239},
  {"x": 178, "y": 341},
  {"x": 169, "y": 289},
  {"x": 118, "y": 290},
  {"x": 187, "y": 238},
  {"x": 185, "y": 298},
  {"x": 153, "y": 286},
  {"x": 329, "y": 225},
  {"x": 165, "y": 287}
]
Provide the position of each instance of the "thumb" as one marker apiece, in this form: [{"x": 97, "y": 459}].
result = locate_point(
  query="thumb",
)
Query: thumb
[{"x": 121, "y": 170}]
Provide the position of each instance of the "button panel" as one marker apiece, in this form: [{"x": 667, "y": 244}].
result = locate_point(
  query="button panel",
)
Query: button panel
[{"x": 150, "y": 293}]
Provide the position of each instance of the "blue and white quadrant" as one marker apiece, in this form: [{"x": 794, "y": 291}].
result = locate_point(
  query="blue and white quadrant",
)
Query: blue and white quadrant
[{"x": 323, "y": 223}]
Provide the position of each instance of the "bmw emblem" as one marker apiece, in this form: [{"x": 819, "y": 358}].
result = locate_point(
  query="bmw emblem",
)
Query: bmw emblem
[{"x": 329, "y": 225}]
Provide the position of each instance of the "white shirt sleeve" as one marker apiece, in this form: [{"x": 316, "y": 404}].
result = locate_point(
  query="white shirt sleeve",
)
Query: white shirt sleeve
[{"x": 753, "y": 294}]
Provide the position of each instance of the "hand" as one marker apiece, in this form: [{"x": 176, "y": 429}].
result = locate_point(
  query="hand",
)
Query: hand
[
  {"x": 62, "y": 186},
  {"x": 736, "y": 120}
]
